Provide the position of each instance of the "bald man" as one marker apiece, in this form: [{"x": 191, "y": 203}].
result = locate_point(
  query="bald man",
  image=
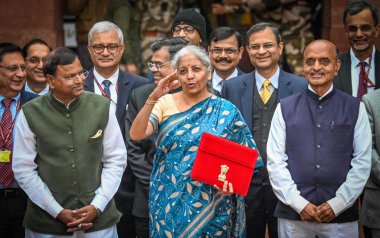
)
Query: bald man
[{"x": 319, "y": 153}]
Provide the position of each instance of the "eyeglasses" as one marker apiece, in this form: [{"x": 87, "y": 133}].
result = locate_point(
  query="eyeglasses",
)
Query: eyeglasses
[
  {"x": 73, "y": 77},
  {"x": 364, "y": 28},
  {"x": 14, "y": 68},
  {"x": 34, "y": 60},
  {"x": 266, "y": 46},
  {"x": 111, "y": 48},
  {"x": 187, "y": 29},
  {"x": 229, "y": 51},
  {"x": 158, "y": 66}
]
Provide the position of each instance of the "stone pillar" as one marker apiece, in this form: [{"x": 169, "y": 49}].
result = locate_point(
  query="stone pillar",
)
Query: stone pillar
[
  {"x": 23, "y": 20},
  {"x": 333, "y": 28}
]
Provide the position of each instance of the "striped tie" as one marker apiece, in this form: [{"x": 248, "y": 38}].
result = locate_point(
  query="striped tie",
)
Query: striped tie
[{"x": 265, "y": 91}]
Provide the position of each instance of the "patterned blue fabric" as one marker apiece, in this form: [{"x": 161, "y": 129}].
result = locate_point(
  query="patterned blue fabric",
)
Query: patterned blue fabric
[{"x": 178, "y": 205}]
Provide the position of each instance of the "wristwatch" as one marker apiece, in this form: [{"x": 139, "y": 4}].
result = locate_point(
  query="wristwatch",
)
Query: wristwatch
[{"x": 98, "y": 212}]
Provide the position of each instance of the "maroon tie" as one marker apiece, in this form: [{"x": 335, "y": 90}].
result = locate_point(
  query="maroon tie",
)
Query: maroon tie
[
  {"x": 363, "y": 79},
  {"x": 6, "y": 173}
]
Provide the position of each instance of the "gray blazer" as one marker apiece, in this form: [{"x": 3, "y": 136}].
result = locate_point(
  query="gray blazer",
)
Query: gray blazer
[{"x": 370, "y": 213}]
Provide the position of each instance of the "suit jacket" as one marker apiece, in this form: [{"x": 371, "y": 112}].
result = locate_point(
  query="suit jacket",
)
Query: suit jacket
[
  {"x": 26, "y": 96},
  {"x": 370, "y": 212},
  {"x": 215, "y": 92},
  {"x": 240, "y": 91},
  {"x": 343, "y": 80},
  {"x": 126, "y": 83},
  {"x": 140, "y": 153}
]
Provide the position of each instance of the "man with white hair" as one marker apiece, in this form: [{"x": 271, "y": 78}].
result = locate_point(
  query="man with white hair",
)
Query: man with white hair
[{"x": 105, "y": 44}]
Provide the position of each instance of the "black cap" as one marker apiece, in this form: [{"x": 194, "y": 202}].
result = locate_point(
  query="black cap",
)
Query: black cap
[{"x": 192, "y": 18}]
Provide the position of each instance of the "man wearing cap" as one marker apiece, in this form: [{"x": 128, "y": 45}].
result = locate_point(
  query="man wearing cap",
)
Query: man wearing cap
[{"x": 191, "y": 25}]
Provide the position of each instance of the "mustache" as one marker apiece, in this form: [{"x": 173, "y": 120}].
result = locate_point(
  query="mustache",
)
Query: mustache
[
  {"x": 227, "y": 60},
  {"x": 111, "y": 57},
  {"x": 321, "y": 72}
]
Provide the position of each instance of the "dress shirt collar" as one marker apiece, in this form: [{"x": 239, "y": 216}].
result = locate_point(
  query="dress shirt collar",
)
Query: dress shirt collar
[
  {"x": 324, "y": 95},
  {"x": 113, "y": 77},
  {"x": 216, "y": 79},
  {"x": 355, "y": 62},
  {"x": 274, "y": 79},
  {"x": 43, "y": 92}
]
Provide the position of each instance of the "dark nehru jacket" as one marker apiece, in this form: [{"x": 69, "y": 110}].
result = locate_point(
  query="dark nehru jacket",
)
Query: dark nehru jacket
[{"x": 320, "y": 158}]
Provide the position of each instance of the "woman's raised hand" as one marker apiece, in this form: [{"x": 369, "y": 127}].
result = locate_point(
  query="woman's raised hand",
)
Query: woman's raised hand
[{"x": 164, "y": 86}]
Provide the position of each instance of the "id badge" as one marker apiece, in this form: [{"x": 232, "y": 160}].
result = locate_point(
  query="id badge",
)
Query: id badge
[{"x": 5, "y": 156}]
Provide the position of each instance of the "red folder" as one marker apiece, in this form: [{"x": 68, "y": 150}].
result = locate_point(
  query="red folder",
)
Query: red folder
[{"x": 220, "y": 159}]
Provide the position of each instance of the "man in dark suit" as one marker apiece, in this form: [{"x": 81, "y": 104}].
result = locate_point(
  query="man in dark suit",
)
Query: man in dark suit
[
  {"x": 256, "y": 96},
  {"x": 225, "y": 51},
  {"x": 12, "y": 79},
  {"x": 106, "y": 48},
  {"x": 141, "y": 153},
  {"x": 370, "y": 212},
  {"x": 360, "y": 70}
]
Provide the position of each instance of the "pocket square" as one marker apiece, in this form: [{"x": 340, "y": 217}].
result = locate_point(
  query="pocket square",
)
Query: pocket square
[{"x": 98, "y": 134}]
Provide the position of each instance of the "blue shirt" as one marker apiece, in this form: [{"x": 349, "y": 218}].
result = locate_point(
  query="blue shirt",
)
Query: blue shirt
[{"x": 14, "y": 113}]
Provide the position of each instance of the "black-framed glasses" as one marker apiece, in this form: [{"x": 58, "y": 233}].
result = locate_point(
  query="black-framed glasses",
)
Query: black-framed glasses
[
  {"x": 187, "y": 29},
  {"x": 266, "y": 46},
  {"x": 71, "y": 78},
  {"x": 34, "y": 60},
  {"x": 111, "y": 48},
  {"x": 363, "y": 28},
  {"x": 228, "y": 51},
  {"x": 14, "y": 68},
  {"x": 156, "y": 66}
]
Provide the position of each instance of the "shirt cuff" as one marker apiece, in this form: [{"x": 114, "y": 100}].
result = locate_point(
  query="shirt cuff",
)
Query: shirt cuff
[
  {"x": 54, "y": 209},
  {"x": 99, "y": 202},
  {"x": 337, "y": 204},
  {"x": 299, "y": 203}
]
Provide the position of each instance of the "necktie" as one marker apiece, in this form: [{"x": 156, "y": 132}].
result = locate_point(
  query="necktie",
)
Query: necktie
[
  {"x": 265, "y": 91},
  {"x": 363, "y": 78},
  {"x": 6, "y": 173},
  {"x": 107, "y": 84}
]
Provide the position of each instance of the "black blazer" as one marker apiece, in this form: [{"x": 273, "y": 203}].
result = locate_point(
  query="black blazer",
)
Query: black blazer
[
  {"x": 26, "y": 97},
  {"x": 240, "y": 91},
  {"x": 140, "y": 153},
  {"x": 343, "y": 80}
]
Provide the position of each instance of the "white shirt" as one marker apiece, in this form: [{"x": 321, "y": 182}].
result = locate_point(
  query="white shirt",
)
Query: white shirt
[
  {"x": 25, "y": 169},
  {"x": 274, "y": 80},
  {"x": 281, "y": 180},
  {"x": 43, "y": 92},
  {"x": 216, "y": 79},
  {"x": 355, "y": 71},
  {"x": 113, "y": 84}
]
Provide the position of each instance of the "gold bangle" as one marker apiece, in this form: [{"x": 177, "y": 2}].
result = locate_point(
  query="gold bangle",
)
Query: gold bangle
[{"x": 150, "y": 102}]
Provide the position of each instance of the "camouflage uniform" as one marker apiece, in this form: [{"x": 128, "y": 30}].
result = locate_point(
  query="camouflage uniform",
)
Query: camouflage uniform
[
  {"x": 88, "y": 12},
  {"x": 293, "y": 19},
  {"x": 156, "y": 21},
  {"x": 124, "y": 15}
]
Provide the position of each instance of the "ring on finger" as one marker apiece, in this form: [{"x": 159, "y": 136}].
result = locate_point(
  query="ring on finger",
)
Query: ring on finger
[{"x": 80, "y": 226}]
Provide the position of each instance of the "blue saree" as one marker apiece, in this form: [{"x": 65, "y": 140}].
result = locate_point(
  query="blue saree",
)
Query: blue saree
[{"x": 178, "y": 205}]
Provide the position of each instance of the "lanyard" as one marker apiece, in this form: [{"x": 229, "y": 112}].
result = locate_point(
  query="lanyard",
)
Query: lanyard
[
  {"x": 5, "y": 138},
  {"x": 368, "y": 81},
  {"x": 102, "y": 90}
]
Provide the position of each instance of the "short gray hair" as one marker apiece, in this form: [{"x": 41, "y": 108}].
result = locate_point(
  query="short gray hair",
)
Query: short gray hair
[
  {"x": 198, "y": 52},
  {"x": 104, "y": 26}
]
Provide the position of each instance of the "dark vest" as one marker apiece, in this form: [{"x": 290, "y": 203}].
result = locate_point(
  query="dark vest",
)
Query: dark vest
[
  {"x": 71, "y": 165},
  {"x": 261, "y": 120},
  {"x": 319, "y": 145}
]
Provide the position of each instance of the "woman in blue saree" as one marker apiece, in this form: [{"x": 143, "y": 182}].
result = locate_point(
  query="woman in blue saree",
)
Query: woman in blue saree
[{"x": 178, "y": 205}]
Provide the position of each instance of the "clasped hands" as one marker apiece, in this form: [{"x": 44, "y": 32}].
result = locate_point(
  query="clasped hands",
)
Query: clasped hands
[
  {"x": 80, "y": 219},
  {"x": 321, "y": 213}
]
